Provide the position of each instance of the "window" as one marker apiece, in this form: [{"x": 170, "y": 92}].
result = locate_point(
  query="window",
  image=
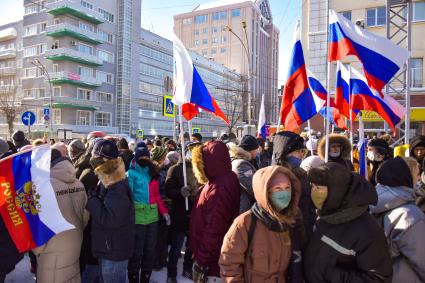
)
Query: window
[
  {"x": 201, "y": 19},
  {"x": 204, "y": 41},
  {"x": 214, "y": 40},
  {"x": 57, "y": 91},
  {"x": 41, "y": 93},
  {"x": 223, "y": 50},
  {"x": 30, "y": 51},
  {"x": 347, "y": 14},
  {"x": 103, "y": 97},
  {"x": 102, "y": 119},
  {"x": 105, "y": 36},
  {"x": 30, "y": 72},
  {"x": 28, "y": 93},
  {"x": 196, "y": 43},
  {"x": 105, "y": 77},
  {"x": 85, "y": 71},
  {"x": 417, "y": 72},
  {"x": 57, "y": 116},
  {"x": 30, "y": 30},
  {"x": 84, "y": 94},
  {"x": 105, "y": 56},
  {"x": 56, "y": 21},
  {"x": 213, "y": 51},
  {"x": 236, "y": 12},
  {"x": 219, "y": 15},
  {"x": 204, "y": 52},
  {"x": 86, "y": 4},
  {"x": 43, "y": 27},
  {"x": 85, "y": 49},
  {"x": 376, "y": 16},
  {"x": 205, "y": 30},
  {"x": 55, "y": 68},
  {"x": 42, "y": 48},
  {"x": 214, "y": 29},
  {"x": 83, "y": 118},
  {"x": 187, "y": 21},
  {"x": 223, "y": 39},
  {"x": 85, "y": 26},
  {"x": 31, "y": 9},
  {"x": 419, "y": 11},
  {"x": 196, "y": 32},
  {"x": 106, "y": 15}
]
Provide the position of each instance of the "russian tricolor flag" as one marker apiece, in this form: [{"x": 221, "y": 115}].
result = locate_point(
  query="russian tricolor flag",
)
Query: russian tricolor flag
[
  {"x": 190, "y": 91},
  {"x": 262, "y": 127},
  {"x": 342, "y": 91},
  {"x": 319, "y": 96},
  {"x": 364, "y": 98},
  {"x": 28, "y": 203},
  {"x": 380, "y": 57},
  {"x": 298, "y": 103}
]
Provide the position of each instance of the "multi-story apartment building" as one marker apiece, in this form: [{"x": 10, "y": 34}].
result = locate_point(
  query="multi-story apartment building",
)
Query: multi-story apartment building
[
  {"x": 156, "y": 62},
  {"x": 206, "y": 30},
  {"x": 372, "y": 15}
]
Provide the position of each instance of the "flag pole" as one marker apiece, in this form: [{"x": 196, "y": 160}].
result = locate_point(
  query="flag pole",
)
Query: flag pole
[
  {"x": 328, "y": 96},
  {"x": 310, "y": 138},
  {"x": 351, "y": 117},
  {"x": 361, "y": 138},
  {"x": 186, "y": 200}
]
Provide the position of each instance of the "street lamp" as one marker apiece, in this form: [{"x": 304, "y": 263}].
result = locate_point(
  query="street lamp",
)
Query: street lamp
[
  {"x": 250, "y": 81},
  {"x": 43, "y": 68}
]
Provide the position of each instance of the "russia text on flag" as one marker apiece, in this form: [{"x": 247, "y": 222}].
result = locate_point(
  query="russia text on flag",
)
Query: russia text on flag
[{"x": 28, "y": 203}]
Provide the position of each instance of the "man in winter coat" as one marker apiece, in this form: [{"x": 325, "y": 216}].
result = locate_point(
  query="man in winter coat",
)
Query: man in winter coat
[
  {"x": 112, "y": 213},
  {"x": 289, "y": 151},
  {"x": 19, "y": 140},
  {"x": 216, "y": 208},
  {"x": 348, "y": 245},
  {"x": 417, "y": 150},
  {"x": 261, "y": 245},
  {"x": 378, "y": 151},
  {"x": 57, "y": 260},
  {"x": 244, "y": 164},
  {"x": 180, "y": 217},
  {"x": 403, "y": 222},
  {"x": 125, "y": 153},
  {"x": 339, "y": 150}
]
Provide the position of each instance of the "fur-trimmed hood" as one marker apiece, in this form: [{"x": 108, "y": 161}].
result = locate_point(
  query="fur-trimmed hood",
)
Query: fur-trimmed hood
[
  {"x": 111, "y": 172},
  {"x": 335, "y": 138},
  {"x": 237, "y": 152}
]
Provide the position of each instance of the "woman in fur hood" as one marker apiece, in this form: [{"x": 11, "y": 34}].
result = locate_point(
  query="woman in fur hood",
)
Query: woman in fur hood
[{"x": 339, "y": 150}]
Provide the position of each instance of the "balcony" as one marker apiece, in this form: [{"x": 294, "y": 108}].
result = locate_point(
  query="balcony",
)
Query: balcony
[
  {"x": 68, "y": 54},
  {"x": 9, "y": 33},
  {"x": 7, "y": 53},
  {"x": 7, "y": 89},
  {"x": 74, "y": 79},
  {"x": 64, "y": 7},
  {"x": 66, "y": 29},
  {"x": 7, "y": 71}
]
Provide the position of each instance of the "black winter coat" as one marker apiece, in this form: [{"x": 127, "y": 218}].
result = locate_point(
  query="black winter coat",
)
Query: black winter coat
[
  {"x": 126, "y": 156},
  {"x": 348, "y": 245},
  {"x": 112, "y": 214},
  {"x": 9, "y": 254}
]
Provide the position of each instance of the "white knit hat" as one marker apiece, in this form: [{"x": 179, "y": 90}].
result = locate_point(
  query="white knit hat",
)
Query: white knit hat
[{"x": 311, "y": 162}]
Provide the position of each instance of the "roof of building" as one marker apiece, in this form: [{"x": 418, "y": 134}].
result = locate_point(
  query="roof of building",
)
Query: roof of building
[{"x": 220, "y": 3}]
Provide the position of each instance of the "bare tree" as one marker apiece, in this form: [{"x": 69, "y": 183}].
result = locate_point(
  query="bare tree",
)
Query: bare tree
[
  {"x": 10, "y": 107},
  {"x": 233, "y": 105}
]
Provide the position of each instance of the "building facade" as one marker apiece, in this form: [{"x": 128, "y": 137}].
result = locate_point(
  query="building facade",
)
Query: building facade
[
  {"x": 206, "y": 30},
  {"x": 371, "y": 14}
]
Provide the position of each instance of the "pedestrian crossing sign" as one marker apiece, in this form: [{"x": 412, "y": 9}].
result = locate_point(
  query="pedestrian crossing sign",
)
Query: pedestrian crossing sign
[
  {"x": 140, "y": 134},
  {"x": 168, "y": 107},
  {"x": 196, "y": 130}
]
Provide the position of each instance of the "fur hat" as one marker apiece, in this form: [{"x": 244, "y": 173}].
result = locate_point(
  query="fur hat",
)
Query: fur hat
[
  {"x": 380, "y": 145},
  {"x": 335, "y": 139}
]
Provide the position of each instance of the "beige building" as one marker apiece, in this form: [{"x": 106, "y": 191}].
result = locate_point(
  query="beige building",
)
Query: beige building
[
  {"x": 205, "y": 31},
  {"x": 372, "y": 15}
]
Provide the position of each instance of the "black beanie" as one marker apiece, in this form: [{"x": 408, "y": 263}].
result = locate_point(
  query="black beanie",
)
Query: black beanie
[
  {"x": 394, "y": 173},
  {"x": 381, "y": 146},
  {"x": 249, "y": 143}
]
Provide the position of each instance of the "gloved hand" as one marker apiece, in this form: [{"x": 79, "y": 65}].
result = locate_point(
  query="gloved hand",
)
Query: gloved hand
[
  {"x": 199, "y": 273},
  {"x": 186, "y": 191},
  {"x": 167, "y": 219}
]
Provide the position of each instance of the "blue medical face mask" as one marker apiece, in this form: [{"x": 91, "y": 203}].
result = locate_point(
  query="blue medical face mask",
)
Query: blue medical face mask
[{"x": 281, "y": 199}]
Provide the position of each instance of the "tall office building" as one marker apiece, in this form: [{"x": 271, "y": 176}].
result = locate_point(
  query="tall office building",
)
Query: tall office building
[
  {"x": 372, "y": 15},
  {"x": 205, "y": 30}
]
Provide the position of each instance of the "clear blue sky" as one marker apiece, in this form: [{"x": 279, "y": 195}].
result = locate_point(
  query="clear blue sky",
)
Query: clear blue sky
[{"x": 157, "y": 16}]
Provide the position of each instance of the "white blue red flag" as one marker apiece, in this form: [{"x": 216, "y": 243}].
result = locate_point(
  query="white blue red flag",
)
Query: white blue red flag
[
  {"x": 365, "y": 98},
  {"x": 342, "y": 92},
  {"x": 262, "y": 127},
  {"x": 190, "y": 91},
  {"x": 298, "y": 104},
  {"x": 380, "y": 57},
  {"x": 28, "y": 204}
]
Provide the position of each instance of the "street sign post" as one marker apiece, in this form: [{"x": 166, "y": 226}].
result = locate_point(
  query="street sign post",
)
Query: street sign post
[
  {"x": 28, "y": 119},
  {"x": 140, "y": 134}
]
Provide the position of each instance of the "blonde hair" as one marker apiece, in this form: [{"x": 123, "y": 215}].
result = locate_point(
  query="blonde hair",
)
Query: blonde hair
[
  {"x": 38, "y": 142},
  {"x": 412, "y": 164}
]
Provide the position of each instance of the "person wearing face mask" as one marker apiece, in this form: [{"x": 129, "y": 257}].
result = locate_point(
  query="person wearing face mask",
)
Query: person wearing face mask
[
  {"x": 417, "y": 150},
  {"x": 180, "y": 217},
  {"x": 339, "y": 150},
  {"x": 377, "y": 152},
  {"x": 347, "y": 245},
  {"x": 261, "y": 246},
  {"x": 143, "y": 178},
  {"x": 403, "y": 222},
  {"x": 112, "y": 213},
  {"x": 289, "y": 151},
  {"x": 244, "y": 164}
]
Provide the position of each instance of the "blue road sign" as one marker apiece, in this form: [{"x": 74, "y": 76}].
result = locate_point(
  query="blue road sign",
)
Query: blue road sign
[
  {"x": 46, "y": 111},
  {"x": 28, "y": 118}
]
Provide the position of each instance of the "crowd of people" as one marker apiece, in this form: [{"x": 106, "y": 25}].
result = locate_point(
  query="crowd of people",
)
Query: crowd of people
[{"x": 243, "y": 210}]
